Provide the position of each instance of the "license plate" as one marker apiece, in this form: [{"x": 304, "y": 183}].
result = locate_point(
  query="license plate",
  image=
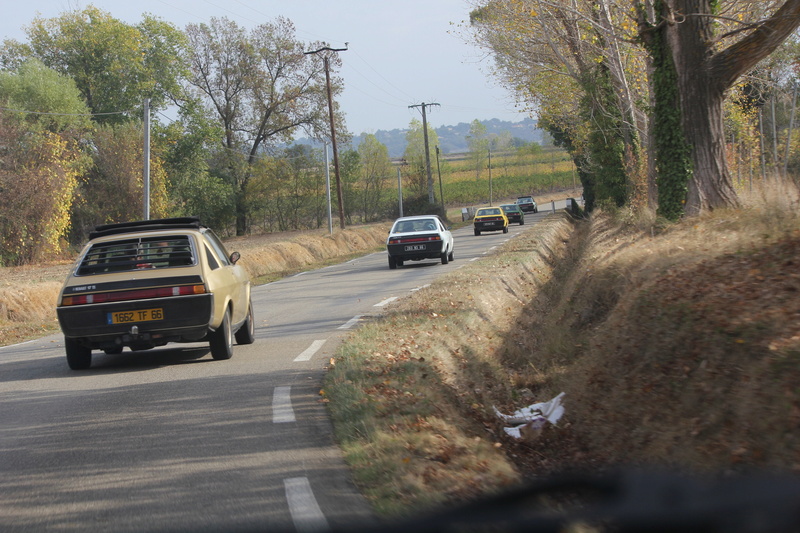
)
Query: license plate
[
  {"x": 415, "y": 247},
  {"x": 130, "y": 317}
]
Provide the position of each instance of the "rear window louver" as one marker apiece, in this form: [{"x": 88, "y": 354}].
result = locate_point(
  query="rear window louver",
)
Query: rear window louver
[{"x": 137, "y": 254}]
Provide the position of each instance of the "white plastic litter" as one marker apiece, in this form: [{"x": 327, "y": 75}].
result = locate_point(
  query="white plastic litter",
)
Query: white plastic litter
[{"x": 534, "y": 417}]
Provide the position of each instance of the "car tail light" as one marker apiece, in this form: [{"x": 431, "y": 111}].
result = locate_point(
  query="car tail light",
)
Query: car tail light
[{"x": 136, "y": 294}]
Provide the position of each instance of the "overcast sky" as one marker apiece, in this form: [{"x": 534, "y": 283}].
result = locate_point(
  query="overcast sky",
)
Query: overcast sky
[{"x": 400, "y": 53}]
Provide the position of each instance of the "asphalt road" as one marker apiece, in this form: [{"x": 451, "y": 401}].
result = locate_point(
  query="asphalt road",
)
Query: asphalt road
[{"x": 171, "y": 440}]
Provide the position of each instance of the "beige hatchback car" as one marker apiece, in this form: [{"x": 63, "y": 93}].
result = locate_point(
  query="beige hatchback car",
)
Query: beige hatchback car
[{"x": 148, "y": 283}]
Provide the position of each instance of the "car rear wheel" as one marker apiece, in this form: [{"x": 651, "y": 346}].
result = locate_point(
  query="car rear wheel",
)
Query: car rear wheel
[
  {"x": 221, "y": 341},
  {"x": 477, "y": 232},
  {"x": 79, "y": 357},
  {"x": 392, "y": 263},
  {"x": 247, "y": 333},
  {"x": 505, "y": 229},
  {"x": 444, "y": 258},
  {"x": 451, "y": 256}
]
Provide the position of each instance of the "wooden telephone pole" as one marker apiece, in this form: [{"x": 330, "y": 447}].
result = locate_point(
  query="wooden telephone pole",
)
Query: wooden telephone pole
[
  {"x": 333, "y": 127},
  {"x": 423, "y": 105}
]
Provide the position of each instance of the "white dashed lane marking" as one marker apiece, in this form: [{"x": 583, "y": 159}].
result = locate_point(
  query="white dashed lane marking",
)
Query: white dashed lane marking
[
  {"x": 385, "y": 302},
  {"x": 310, "y": 351},
  {"x": 350, "y": 323},
  {"x": 306, "y": 514},
  {"x": 282, "y": 411}
]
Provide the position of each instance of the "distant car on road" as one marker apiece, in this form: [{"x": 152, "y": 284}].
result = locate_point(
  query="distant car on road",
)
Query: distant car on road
[
  {"x": 527, "y": 204},
  {"x": 490, "y": 219},
  {"x": 419, "y": 237},
  {"x": 513, "y": 213},
  {"x": 148, "y": 283}
]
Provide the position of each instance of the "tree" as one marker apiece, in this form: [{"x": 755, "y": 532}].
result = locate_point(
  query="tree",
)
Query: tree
[
  {"x": 376, "y": 170},
  {"x": 262, "y": 88},
  {"x": 40, "y": 159},
  {"x": 568, "y": 62},
  {"x": 49, "y": 100},
  {"x": 478, "y": 146},
  {"x": 707, "y": 58},
  {"x": 112, "y": 191},
  {"x": 415, "y": 154},
  {"x": 114, "y": 65},
  {"x": 38, "y": 176}
]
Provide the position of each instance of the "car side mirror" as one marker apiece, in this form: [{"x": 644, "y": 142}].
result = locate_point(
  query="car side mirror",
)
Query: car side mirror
[{"x": 235, "y": 256}]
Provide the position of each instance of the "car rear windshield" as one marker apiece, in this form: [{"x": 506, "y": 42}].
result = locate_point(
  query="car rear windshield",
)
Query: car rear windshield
[
  {"x": 409, "y": 226},
  {"x": 137, "y": 254}
]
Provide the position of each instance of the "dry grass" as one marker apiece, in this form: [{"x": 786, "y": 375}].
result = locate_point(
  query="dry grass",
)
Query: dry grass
[
  {"x": 28, "y": 294},
  {"x": 675, "y": 345}
]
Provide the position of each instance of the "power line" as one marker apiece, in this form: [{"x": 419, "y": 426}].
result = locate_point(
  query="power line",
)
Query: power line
[{"x": 64, "y": 114}]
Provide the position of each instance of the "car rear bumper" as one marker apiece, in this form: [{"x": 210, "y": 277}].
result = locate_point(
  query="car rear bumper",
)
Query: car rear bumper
[
  {"x": 489, "y": 226},
  {"x": 428, "y": 250},
  {"x": 143, "y": 320}
]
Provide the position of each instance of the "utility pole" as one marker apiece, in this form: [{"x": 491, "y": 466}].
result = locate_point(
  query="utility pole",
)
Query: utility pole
[
  {"x": 491, "y": 192},
  {"x": 423, "y": 105},
  {"x": 441, "y": 190},
  {"x": 146, "y": 162},
  {"x": 333, "y": 126}
]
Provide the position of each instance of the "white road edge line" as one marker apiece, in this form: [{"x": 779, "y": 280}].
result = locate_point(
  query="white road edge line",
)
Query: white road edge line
[
  {"x": 306, "y": 514},
  {"x": 350, "y": 323},
  {"x": 474, "y": 259},
  {"x": 310, "y": 351},
  {"x": 385, "y": 302},
  {"x": 282, "y": 411},
  {"x": 420, "y": 288}
]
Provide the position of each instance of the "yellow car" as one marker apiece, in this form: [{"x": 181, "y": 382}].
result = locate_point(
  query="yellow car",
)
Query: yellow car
[
  {"x": 148, "y": 283},
  {"x": 490, "y": 219}
]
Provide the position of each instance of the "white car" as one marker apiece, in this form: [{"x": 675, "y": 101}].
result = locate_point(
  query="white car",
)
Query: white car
[{"x": 419, "y": 237}]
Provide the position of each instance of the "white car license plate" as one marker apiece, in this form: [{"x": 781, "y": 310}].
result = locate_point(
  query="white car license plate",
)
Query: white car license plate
[{"x": 415, "y": 247}]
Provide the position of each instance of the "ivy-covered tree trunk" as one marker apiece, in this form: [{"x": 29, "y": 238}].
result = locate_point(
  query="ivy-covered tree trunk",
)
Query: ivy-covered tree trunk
[
  {"x": 703, "y": 74},
  {"x": 672, "y": 152}
]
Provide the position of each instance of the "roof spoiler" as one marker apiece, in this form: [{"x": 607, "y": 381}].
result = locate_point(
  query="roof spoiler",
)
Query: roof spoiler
[{"x": 146, "y": 225}]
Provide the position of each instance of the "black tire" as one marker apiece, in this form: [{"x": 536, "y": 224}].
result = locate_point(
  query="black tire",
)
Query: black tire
[
  {"x": 221, "y": 341},
  {"x": 505, "y": 229},
  {"x": 79, "y": 357},
  {"x": 444, "y": 258},
  {"x": 477, "y": 232},
  {"x": 246, "y": 334},
  {"x": 521, "y": 222},
  {"x": 400, "y": 262},
  {"x": 452, "y": 255},
  {"x": 392, "y": 263}
]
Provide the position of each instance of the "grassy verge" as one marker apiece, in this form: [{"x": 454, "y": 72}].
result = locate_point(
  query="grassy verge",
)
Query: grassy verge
[
  {"x": 409, "y": 393},
  {"x": 675, "y": 345}
]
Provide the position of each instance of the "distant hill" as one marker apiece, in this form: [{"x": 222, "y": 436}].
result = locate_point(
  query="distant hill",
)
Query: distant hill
[{"x": 452, "y": 139}]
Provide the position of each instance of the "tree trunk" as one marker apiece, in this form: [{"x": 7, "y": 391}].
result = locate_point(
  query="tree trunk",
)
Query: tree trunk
[
  {"x": 701, "y": 98},
  {"x": 703, "y": 77}
]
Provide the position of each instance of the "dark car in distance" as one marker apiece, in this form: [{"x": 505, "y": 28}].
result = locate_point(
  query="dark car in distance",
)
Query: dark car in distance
[
  {"x": 513, "y": 213},
  {"x": 527, "y": 204}
]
